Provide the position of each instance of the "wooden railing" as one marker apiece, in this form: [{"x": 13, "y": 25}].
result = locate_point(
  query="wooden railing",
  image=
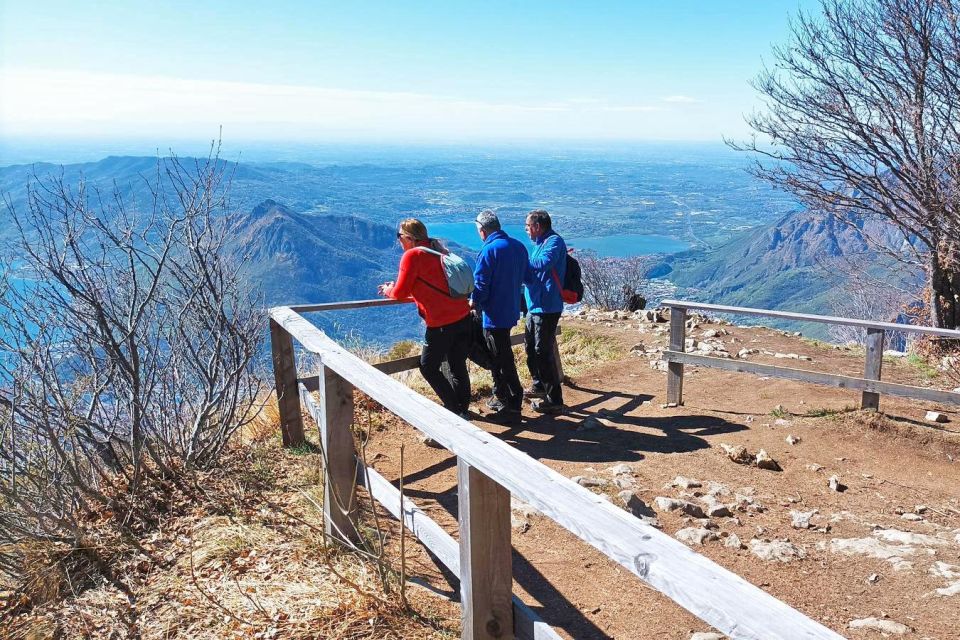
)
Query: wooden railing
[
  {"x": 870, "y": 384},
  {"x": 489, "y": 472}
]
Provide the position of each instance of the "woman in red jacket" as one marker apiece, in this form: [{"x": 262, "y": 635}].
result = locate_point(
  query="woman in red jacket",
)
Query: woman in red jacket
[{"x": 448, "y": 334}]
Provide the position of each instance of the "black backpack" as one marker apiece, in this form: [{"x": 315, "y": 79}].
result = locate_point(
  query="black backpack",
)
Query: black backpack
[{"x": 572, "y": 289}]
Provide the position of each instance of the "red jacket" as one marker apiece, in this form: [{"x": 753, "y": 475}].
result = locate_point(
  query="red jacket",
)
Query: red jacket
[{"x": 416, "y": 269}]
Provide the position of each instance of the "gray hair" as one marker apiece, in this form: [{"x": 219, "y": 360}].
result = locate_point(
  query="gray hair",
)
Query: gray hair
[{"x": 488, "y": 221}]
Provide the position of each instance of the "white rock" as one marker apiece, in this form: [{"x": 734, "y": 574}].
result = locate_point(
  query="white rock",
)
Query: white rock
[
  {"x": 669, "y": 504},
  {"x": 791, "y": 439},
  {"x": 896, "y": 536},
  {"x": 894, "y": 554},
  {"x": 912, "y": 517},
  {"x": 714, "y": 508},
  {"x": 801, "y": 519},
  {"x": 764, "y": 461},
  {"x": 836, "y": 485},
  {"x": 519, "y": 523},
  {"x": 944, "y": 570},
  {"x": 733, "y": 541},
  {"x": 620, "y": 470},
  {"x": 695, "y": 535},
  {"x": 685, "y": 483},
  {"x": 948, "y": 591},
  {"x": 709, "y": 635},
  {"x": 780, "y": 422},
  {"x": 779, "y": 550},
  {"x": 936, "y": 416},
  {"x": 522, "y": 507},
  {"x": 883, "y": 626},
  {"x": 589, "y": 482},
  {"x": 658, "y": 365}
]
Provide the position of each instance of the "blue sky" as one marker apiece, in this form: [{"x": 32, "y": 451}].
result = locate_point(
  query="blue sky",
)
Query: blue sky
[{"x": 362, "y": 71}]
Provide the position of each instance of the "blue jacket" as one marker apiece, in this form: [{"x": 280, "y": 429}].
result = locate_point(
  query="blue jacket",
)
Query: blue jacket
[
  {"x": 498, "y": 277},
  {"x": 549, "y": 254}
]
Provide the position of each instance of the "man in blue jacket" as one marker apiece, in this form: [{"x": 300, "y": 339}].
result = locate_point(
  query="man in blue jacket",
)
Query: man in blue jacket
[
  {"x": 498, "y": 279},
  {"x": 548, "y": 265}
]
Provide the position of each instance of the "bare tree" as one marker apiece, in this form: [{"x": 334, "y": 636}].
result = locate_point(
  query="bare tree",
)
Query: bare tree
[
  {"x": 612, "y": 283},
  {"x": 127, "y": 339},
  {"x": 862, "y": 119}
]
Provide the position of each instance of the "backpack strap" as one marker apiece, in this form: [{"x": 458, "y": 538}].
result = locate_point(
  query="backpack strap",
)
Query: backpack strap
[
  {"x": 556, "y": 278},
  {"x": 424, "y": 281}
]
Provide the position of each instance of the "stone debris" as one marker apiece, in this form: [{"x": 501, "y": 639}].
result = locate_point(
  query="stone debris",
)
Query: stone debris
[
  {"x": 936, "y": 416},
  {"x": 738, "y": 453},
  {"x": 670, "y": 504},
  {"x": 743, "y": 354},
  {"x": 522, "y": 507},
  {"x": 638, "y": 508},
  {"x": 814, "y": 467},
  {"x": 779, "y": 550},
  {"x": 764, "y": 461},
  {"x": 624, "y": 482},
  {"x": 873, "y": 578},
  {"x": 835, "y": 484},
  {"x": 791, "y": 439},
  {"x": 881, "y": 625},
  {"x": 946, "y": 592},
  {"x": 519, "y": 523},
  {"x": 714, "y": 508},
  {"x": 912, "y": 517},
  {"x": 695, "y": 535},
  {"x": 896, "y": 536},
  {"x": 685, "y": 483},
  {"x": 658, "y": 365},
  {"x": 707, "y": 635},
  {"x": 894, "y": 554},
  {"x": 801, "y": 519},
  {"x": 717, "y": 489},
  {"x": 584, "y": 481},
  {"x": 946, "y": 571},
  {"x": 780, "y": 422},
  {"x": 733, "y": 541},
  {"x": 620, "y": 470}
]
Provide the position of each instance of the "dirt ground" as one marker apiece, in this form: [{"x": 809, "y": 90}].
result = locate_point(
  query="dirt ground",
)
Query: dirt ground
[{"x": 893, "y": 464}]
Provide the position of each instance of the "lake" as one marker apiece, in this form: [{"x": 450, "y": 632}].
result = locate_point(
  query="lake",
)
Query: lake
[{"x": 618, "y": 246}]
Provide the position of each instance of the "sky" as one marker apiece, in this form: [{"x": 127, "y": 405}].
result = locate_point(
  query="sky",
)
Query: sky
[{"x": 372, "y": 71}]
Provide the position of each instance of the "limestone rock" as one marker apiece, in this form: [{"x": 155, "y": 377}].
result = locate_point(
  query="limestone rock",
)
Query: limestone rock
[
  {"x": 936, "y": 416},
  {"x": 764, "y": 461},
  {"x": 881, "y": 625},
  {"x": 791, "y": 439},
  {"x": 733, "y": 542},
  {"x": 670, "y": 504},
  {"x": 519, "y": 523},
  {"x": 695, "y": 535},
  {"x": 714, "y": 508},
  {"x": 779, "y": 550},
  {"x": 685, "y": 483},
  {"x": 801, "y": 519},
  {"x": 584, "y": 481},
  {"x": 709, "y": 635},
  {"x": 835, "y": 484},
  {"x": 738, "y": 453}
]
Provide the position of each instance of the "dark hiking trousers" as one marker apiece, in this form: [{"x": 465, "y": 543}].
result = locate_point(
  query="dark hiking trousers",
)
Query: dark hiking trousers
[
  {"x": 540, "y": 334},
  {"x": 506, "y": 382},
  {"x": 450, "y": 342}
]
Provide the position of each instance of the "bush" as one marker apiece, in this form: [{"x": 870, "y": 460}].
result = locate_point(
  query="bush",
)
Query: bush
[
  {"x": 613, "y": 283},
  {"x": 127, "y": 357}
]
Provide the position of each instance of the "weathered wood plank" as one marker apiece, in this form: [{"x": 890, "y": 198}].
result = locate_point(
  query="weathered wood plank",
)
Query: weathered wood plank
[
  {"x": 678, "y": 328},
  {"x": 715, "y": 595},
  {"x": 816, "y": 377},
  {"x": 807, "y": 317},
  {"x": 527, "y": 625},
  {"x": 873, "y": 363},
  {"x": 285, "y": 380},
  {"x": 339, "y": 454},
  {"x": 486, "y": 566},
  {"x": 347, "y": 304}
]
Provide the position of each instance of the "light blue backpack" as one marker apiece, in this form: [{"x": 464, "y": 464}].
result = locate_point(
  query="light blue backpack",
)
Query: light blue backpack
[{"x": 458, "y": 273}]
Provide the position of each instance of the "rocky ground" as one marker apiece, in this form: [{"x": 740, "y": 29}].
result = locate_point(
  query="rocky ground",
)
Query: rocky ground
[{"x": 851, "y": 517}]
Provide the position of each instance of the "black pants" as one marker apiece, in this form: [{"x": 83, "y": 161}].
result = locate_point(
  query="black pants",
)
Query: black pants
[
  {"x": 539, "y": 337},
  {"x": 506, "y": 382},
  {"x": 450, "y": 342}
]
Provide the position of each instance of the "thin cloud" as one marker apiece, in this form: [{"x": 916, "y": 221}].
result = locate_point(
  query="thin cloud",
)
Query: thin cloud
[{"x": 678, "y": 99}]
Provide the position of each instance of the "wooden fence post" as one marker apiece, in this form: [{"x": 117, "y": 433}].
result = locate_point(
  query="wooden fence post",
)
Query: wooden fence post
[
  {"x": 339, "y": 453},
  {"x": 285, "y": 379},
  {"x": 678, "y": 327},
  {"x": 872, "y": 366},
  {"x": 486, "y": 563}
]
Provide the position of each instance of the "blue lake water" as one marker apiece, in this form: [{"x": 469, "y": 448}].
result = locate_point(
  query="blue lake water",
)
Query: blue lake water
[{"x": 619, "y": 246}]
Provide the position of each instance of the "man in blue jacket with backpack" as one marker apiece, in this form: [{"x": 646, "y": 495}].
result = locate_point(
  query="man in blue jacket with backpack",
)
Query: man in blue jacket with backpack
[
  {"x": 498, "y": 277},
  {"x": 547, "y": 269}
]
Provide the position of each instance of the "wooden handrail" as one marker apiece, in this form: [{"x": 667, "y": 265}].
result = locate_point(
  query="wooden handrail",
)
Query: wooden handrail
[
  {"x": 719, "y": 597},
  {"x": 809, "y": 317}
]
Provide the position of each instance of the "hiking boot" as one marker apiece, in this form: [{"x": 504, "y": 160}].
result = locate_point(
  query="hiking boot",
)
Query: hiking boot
[
  {"x": 545, "y": 406},
  {"x": 534, "y": 392},
  {"x": 503, "y": 415}
]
